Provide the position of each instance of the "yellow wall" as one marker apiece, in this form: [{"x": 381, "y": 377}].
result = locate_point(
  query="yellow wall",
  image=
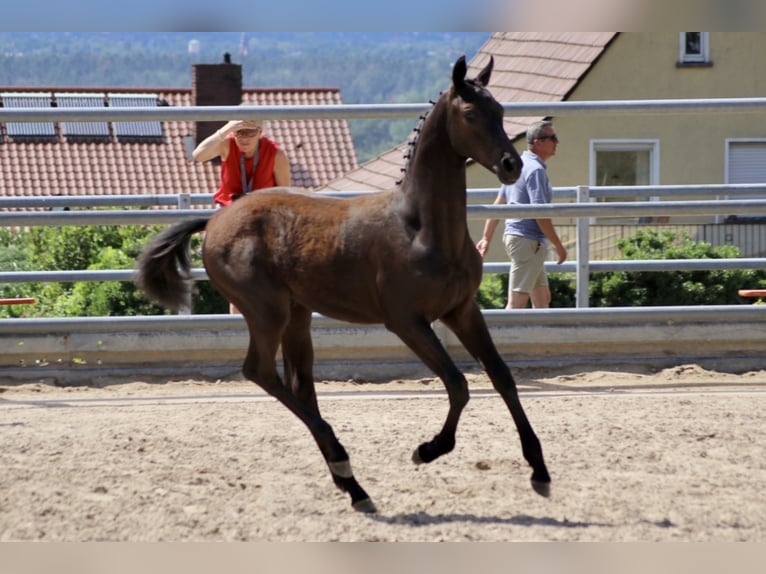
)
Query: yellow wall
[{"x": 643, "y": 65}]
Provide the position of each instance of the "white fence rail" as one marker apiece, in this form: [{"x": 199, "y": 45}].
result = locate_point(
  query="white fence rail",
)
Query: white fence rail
[{"x": 583, "y": 211}]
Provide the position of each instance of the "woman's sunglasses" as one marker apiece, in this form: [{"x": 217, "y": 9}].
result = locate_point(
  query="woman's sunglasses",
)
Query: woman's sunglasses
[{"x": 246, "y": 133}]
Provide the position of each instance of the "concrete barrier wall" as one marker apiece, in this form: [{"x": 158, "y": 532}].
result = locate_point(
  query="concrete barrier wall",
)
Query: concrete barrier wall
[{"x": 74, "y": 351}]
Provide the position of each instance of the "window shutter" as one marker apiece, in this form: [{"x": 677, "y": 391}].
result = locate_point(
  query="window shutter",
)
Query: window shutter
[{"x": 747, "y": 162}]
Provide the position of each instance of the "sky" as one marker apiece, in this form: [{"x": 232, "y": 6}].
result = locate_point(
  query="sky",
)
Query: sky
[{"x": 388, "y": 16}]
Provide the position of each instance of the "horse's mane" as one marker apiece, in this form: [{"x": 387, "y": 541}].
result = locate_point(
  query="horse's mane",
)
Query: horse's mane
[
  {"x": 409, "y": 151},
  {"x": 413, "y": 141}
]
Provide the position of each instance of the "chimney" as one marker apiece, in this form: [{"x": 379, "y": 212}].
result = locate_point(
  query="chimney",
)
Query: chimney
[{"x": 215, "y": 85}]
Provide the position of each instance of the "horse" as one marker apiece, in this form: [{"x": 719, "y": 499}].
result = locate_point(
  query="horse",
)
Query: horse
[{"x": 402, "y": 258}]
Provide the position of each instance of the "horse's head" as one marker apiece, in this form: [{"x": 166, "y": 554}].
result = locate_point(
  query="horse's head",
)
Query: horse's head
[{"x": 476, "y": 124}]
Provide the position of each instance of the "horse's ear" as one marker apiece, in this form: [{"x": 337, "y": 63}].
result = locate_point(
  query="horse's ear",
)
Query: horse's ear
[
  {"x": 483, "y": 77},
  {"x": 458, "y": 72}
]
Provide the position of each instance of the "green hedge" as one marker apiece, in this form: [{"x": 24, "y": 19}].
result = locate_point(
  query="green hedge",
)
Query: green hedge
[
  {"x": 118, "y": 247},
  {"x": 647, "y": 288}
]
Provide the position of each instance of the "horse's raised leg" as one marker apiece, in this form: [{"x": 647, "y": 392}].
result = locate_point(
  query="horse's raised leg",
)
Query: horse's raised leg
[
  {"x": 260, "y": 367},
  {"x": 421, "y": 339},
  {"x": 469, "y": 325}
]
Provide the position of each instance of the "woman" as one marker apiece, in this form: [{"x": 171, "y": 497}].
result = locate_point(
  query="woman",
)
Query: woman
[{"x": 249, "y": 160}]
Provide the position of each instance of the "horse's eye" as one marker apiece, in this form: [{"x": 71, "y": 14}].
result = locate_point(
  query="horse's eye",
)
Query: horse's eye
[{"x": 469, "y": 115}]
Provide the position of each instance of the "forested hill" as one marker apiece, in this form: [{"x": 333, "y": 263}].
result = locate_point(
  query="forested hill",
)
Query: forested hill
[{"x": 405, "y": 67}]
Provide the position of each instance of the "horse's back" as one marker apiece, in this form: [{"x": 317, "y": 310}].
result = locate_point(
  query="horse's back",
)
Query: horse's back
[
  {"x": 320, "y": 249},
  {"x": 288, "y": 213}
]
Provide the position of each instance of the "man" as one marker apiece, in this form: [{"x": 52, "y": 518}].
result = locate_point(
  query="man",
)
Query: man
[{"x": 525, "y": 239}]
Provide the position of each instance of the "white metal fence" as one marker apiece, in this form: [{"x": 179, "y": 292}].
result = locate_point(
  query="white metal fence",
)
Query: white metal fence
[
  {"x": 720, "y": 332},
  {"x": 583, "y": 210}
]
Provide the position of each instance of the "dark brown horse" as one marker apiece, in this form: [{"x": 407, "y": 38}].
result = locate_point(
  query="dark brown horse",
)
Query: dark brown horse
[{"x": 403, "y": 258}]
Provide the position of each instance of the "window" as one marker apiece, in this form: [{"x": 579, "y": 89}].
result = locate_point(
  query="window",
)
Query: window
[
  {"x": 695, "y": 48},
  {"x": 624, "y": 163},
  {"x": 746, "y": 163}
]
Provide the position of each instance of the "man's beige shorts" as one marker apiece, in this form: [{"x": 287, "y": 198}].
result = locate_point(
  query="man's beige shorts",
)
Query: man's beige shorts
[{"x": 527, "y": 263}]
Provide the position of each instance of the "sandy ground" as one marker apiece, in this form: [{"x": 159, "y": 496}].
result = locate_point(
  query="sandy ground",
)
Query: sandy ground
[{"x": 676, "y": 455}]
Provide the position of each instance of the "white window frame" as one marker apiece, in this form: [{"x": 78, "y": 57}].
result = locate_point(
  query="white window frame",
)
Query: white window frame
[
  {"x": 729, "y": 142},
  {"x": 727, "y": 173},
  {"x": 652, "y": 145},
  {"x": 703, "y": 57}
]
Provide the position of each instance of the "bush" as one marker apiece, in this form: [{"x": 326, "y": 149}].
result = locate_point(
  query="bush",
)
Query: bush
[
  {"x": 646, "y": 288},
  {"x": 493, "y": 291},
  {"x": 666, "y": 288},
  {"x": 118, "y": 247},
  {"x": 93, "y": 248}
]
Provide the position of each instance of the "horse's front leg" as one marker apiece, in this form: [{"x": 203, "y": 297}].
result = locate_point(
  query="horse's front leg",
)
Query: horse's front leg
[
  {"x": 469, "y": 325},
  {"x": 421, "y": 339}
]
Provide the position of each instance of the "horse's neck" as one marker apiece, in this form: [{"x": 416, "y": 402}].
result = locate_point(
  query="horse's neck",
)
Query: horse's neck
[{"x": 434, "y": 186}]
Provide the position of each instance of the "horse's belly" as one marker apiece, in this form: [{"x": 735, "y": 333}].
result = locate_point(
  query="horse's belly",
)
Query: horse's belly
[
  {"x": 336, "y": 300},
  {"x": 353, "y": 310}
]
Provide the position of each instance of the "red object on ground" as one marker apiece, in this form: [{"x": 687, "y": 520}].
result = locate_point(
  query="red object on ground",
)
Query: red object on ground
[
  {"x": 752, "y": 292},
  {"x": 18, "y": 301}
]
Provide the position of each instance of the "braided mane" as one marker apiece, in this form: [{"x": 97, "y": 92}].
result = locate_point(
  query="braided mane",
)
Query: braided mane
[
  {"x": 413, "y": 141},
  {"x": 414, "y": 138}
]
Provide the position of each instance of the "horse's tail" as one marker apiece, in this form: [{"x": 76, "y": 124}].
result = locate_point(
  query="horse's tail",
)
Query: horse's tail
[{"x": 164, "y": 267}]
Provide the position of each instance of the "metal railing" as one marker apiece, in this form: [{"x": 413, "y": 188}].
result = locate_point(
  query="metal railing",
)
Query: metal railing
[
  {"x": 377, "y": 111},
  {"x": 582, "y": 210},
  {"x": 704, "y": 331}
]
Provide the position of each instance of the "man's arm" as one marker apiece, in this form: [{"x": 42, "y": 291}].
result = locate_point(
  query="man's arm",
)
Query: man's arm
[
  {"x": 546, "y": 225},
  {"x": 489, "y": 228}
]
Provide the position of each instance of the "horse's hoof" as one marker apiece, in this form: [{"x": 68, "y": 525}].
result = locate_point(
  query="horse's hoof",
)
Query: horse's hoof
[
  {"x": 416, "y": 457},
  {"x": 364, "y": 505},
  {"x": 541, "y": 488}
]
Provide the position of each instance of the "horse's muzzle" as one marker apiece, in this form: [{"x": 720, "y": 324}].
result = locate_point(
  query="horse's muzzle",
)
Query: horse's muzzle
[{"x": 509, "y": 168}]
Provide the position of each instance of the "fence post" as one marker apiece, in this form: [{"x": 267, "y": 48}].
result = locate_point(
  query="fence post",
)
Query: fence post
[
  {"x": 184, "y": 201},
  {"x": 583, "y": 250}
]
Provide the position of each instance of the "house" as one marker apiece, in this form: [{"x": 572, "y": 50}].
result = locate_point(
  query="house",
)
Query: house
[
  {"x": 123, "y": 158},
  {"x": 654, "y": 149}
]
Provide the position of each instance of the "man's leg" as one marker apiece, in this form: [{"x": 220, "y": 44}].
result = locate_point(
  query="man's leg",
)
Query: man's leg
[
  {"x": 517, "y": 300},
  {"x": 541, "y": 297}
]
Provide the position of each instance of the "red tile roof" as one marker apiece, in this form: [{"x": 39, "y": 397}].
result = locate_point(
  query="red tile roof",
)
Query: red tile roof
[
  {"x": 319, "y": 150},
  {"x": 529, "y": 67}
]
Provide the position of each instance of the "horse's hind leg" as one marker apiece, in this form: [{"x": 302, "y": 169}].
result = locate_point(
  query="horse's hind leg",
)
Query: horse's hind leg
[
  {"x": 469, "y": 326},
  {"x": 260, "y": 367},
  {"x": 298, "y": 356}
]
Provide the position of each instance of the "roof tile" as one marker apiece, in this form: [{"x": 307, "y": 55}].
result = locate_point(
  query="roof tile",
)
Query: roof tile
[{"x": 319, "y": 151}]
